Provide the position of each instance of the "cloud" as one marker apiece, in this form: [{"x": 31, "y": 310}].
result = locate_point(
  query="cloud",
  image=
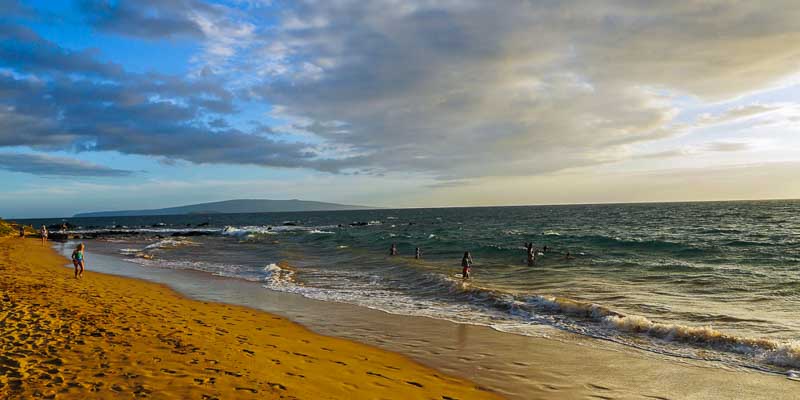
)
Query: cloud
[
  {"x": 727, "y": 146},
  {"x": 25, "y": 51},
  {"x": 40, "y": 164},
  {"x": 664, "y": 154},
  {"x": 108, "y": 109},
  {"x": 13, "y": 8},
  {"x": 152, "y": 19},
  {"x": 451, "y": 90},
  {"x": 471, "y": 89},
  {"x": 736, "y": 113}
]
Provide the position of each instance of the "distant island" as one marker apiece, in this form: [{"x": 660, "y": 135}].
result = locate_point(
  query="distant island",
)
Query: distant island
[{"x": 232, "y": 207}]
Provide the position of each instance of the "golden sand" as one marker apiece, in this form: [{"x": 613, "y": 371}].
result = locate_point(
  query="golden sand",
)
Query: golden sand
[{"x": 111, "y": 337}]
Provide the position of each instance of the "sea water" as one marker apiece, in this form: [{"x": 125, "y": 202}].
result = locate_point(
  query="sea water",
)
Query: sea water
[{"x": 716, "y": 281}]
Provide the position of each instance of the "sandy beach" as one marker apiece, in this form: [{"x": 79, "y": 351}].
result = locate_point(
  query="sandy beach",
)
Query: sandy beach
[{"x": 106, "y": 337}]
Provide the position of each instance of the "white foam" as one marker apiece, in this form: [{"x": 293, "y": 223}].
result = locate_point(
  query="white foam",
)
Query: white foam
[
  {"x": 129, "y": 251},
  {"x": 783, "y": 354},
  {"x": 157, "y": 231},
  {"x": 257, "y": 230},
  {"x": 225, "y": 270},
  {"x": 277, "y": 276},
  {"x": 169, "y": 244}
]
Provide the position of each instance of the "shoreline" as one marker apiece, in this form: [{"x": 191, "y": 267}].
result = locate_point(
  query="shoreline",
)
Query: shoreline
[
  {"x": 110, "y": 336},
  {"x": 519, "y": 367}
]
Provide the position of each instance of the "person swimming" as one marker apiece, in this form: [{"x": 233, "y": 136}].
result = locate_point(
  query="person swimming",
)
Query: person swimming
[
  {"x": 393, "y": 250},
  {"x": 466, "y": 265},
  {"x": 78, "y": 260},
  {"x": 531, "y": 254},
  {"x": 417, "y": 253}
]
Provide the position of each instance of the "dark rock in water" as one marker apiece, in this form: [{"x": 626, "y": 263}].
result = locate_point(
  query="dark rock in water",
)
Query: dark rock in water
[
  {"x": 359, "y": 223},
  {"x": 56, "y": 235},
  {"x": 289, "y": 223},
  {"x": 200, "y": 225},
  {"x": 58, "y": 227}
]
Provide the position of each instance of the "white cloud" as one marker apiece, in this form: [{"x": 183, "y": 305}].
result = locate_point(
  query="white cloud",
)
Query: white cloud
[{"x": 470, "y": 89}]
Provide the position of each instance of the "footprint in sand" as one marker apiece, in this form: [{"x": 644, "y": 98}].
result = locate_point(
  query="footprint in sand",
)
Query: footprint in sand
[{"x": 378, "y": 375}]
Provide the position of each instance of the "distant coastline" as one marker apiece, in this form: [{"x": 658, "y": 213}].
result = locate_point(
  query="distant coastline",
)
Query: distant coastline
[{"x": 231, "y": 207}]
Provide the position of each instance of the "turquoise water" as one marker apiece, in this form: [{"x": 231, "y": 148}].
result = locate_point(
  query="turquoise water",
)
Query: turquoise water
[{"x": 716, "y": 281}]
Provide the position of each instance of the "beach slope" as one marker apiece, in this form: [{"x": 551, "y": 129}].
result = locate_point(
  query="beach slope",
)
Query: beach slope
[{"x": 106, "y": 337}]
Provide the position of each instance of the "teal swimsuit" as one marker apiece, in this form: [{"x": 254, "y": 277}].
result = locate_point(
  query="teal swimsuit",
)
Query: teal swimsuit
[{"x": 78, "y": 256}]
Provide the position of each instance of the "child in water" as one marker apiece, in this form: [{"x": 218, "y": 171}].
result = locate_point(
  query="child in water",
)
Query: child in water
[
  {"x": 78, "y": 260},
  {"x": 466, "y": 265}
]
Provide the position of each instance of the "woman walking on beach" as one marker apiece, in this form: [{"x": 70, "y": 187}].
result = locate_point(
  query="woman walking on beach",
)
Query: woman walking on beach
[
  {"x": 466, "y": 265},
  {"x": 43, "y": 232},
  {"x": 78, "y": 260}
]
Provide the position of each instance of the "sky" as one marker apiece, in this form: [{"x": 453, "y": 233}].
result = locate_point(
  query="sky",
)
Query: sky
[{"x": 110, "y": 105}]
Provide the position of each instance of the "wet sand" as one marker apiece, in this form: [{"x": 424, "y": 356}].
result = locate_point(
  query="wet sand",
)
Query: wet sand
[
  {"x": 106, "y": 336},
  {"x": 561, "y": 366}
]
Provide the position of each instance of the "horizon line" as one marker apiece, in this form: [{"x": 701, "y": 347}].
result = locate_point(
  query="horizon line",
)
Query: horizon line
[{"x": 419, "y": 208}]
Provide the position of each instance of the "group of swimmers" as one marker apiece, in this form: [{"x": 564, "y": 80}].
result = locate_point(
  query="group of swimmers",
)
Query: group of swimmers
[{"x": 466, "y": 260}]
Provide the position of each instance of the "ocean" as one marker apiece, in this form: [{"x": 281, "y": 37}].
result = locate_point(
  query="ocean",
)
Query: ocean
[{"x": 715, "y": 281}]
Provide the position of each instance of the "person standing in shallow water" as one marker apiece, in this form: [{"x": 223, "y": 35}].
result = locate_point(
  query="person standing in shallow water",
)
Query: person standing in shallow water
[
  {"x": 393, "y": 250},
  {"x": 466, "y": 265},
  {"x": 78, "y": 259},
  {"x": 531, "y": 254},
  {"x": 417, "y": 253}
]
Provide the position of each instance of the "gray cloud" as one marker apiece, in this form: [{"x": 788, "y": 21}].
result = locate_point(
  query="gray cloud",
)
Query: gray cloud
[
  {"x": 664, "y": 154},
  {"x": 39, "y": 164},
  {"x": 727, "y": 146},
  {"x": 23, "y": 50},
  {"x": 736, "y": 113},
  {"x": 97, "y": 109},
  {"x": 13, "y": 8},
  {"x": 454, "y": 90},
  {"x": 151, "y": 19},
  {"x": 472, "y": 88}
]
